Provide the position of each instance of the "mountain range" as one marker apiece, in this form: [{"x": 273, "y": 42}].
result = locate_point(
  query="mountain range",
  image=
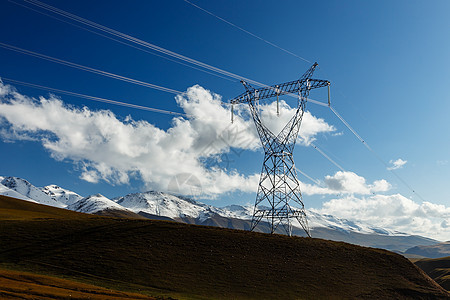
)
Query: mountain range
[{"x": 164, "y": 206}]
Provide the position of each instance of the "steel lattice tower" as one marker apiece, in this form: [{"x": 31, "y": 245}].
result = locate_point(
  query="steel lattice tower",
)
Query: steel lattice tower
[{"x": 278, "y": 185}]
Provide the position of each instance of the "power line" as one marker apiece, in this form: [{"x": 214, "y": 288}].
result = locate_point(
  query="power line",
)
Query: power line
[
  {"x": 142, "y": 43},
  {"x": 248, "y": 32},
  {"x": 108, "y": 74},
  {"x": 92, "y": 70},
  {"x": 375, "y": 153},
  {"x": 327, "y": 157},
  {"x": 121, "y": 42},
  {"x": 98, "y": 99},
  {"x": 134, "y": 40},
  {"x": 307, "y": 176},
  {"x": 89, "y": 69}
]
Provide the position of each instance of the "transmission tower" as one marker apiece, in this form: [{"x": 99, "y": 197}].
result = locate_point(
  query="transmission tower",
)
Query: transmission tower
[{"x": 278, "y": 185}]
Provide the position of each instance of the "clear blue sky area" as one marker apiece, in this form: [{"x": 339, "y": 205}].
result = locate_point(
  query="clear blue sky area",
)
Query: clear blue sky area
[{"x": 388, "y": 62}]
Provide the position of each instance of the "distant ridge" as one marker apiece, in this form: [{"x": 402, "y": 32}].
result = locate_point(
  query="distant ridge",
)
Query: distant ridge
[{"x": 431, "y": 251}]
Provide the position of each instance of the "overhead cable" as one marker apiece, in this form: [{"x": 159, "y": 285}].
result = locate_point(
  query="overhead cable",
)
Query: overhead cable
[
  {"x": 134, "y": 40},
  {"x": 98, "y": 99},
  {"x": 141, "y": 42},
  {"x": 88, "y": 69},
  {"x": 375, "y": 153},
  {"x": 120, "y": 41},
  {"x": 307, "y": 176},
  {"x": 327, "y": 157},
  {"x": 248, "y": 32}
]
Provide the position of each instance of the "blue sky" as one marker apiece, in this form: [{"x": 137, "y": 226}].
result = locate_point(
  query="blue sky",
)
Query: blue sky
[{"x": 388, "y": 63}]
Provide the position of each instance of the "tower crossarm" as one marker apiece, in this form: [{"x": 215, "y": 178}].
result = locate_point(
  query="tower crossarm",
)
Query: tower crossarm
[{"x": 291, "y": 87}]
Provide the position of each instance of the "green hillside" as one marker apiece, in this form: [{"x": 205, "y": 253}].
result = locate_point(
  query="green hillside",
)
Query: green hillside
[{"x": 163, "y": 258}]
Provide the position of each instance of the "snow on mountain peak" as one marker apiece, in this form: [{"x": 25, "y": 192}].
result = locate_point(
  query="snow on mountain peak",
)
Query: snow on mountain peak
[
  {"x": 62, "y": 195},
  {"x": 316, "y": 219},
  {"x": 94, "y": 203},
  {"x": 28, "y": 190},
  {"x": 5, "y": 191},
  {"x": 162, "y": 204}
]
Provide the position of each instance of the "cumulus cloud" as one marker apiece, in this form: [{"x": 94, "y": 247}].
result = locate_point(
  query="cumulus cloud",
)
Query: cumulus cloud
[
  {"x": 311, "y": 126},
  {"x": 397, "y": 164},
  {"x": 345, "y": 182},
  {"x": 394, "y": 212},
  {"x": 105, "y": 147}
]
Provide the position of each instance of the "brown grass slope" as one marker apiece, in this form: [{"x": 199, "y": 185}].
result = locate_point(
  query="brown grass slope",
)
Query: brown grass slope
[
  {"x": 438, "y": 269},
  {"x": 199, "y": 262},
  {"x": 117, "y": 213},
  {"x": 15, "y": 209},
  {"x": 24, "y": 285}
]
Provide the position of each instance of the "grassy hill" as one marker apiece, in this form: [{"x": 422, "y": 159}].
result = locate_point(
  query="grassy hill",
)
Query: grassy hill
[
  {"x": 438, "y": 269},
  {"x": 163, "y": 258},
  {"x": 14, "y": 209},
  {"x": 116, "y": 213},
  {"x": 24, "y": 285}
]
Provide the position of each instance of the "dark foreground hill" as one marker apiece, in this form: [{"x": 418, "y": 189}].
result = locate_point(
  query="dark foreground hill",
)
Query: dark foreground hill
[
  {"x": 438, "y": 269},
  {"x": 199, "y": 262}
]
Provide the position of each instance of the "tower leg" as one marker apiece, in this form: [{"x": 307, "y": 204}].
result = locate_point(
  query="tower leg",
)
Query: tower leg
[{"x": 279, "y": 189}]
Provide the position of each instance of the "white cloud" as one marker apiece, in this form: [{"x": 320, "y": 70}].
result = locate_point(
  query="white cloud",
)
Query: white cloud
[
  {"x": 394, "y": 212},
  {"x": 310, "y": 127},
  {"x": 346, "y": 183},
  {"x": 397, "y": 164},
  {"x": 103, "y": 147}
]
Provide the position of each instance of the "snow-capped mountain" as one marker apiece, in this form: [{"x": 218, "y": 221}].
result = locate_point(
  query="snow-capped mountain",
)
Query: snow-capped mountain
[
  {"x": 166, "y": 206},
  {"x": 62, "y": 195},
  {"x": 12, "y": 193},
  {"x": 94, "y": 204},
  {"x": 171, "y": 206},
  {"x": 328, "y": 221},
  {"x": 56, "y": 196},
  {"x": 162, "y": 204},
  {"x": 28, "y": 190},
  {"x": 237, "y": 211}
]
